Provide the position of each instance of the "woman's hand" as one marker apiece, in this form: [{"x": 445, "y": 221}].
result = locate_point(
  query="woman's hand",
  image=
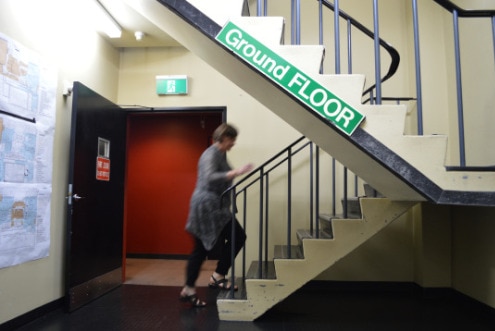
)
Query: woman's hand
[
  {"x": 240, "y": 171},
  {"x": 244, "y": 169}
]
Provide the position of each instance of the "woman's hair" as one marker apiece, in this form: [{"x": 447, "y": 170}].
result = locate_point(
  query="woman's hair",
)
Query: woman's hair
[{"x": 224, "y": 130}]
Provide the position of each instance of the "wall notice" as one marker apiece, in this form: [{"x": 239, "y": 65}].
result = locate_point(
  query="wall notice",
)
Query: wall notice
[
  {"x": 102, "y": 168},
  {"x": 27, "y": 121}
]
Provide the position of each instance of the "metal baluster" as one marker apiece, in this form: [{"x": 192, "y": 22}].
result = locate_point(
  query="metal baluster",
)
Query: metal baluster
[
  {"x": 337, "y": 36},
  {"x": 377, "y": 53},
  {"x": 460, "y": 115},
  {"x": 419, "y": 94},
  {"x": 289, "y": 202}
]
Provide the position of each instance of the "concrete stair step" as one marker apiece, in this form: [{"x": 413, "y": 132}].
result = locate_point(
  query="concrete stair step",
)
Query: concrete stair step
[
  {"x": 286, "y": 252},
  {"x": 240, "y": 294},
  {"x": 267, "y": 270},
  {"x": 224, "y": 10},
  {"x": 269, "y": 30}
]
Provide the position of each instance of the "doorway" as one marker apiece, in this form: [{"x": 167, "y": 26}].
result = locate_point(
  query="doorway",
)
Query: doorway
[
  {"x": 162, "y": 153},
  {"x": 96, "y": 200}
]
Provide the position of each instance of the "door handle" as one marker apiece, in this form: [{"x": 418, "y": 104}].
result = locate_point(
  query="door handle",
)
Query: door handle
[
  {"x": 71, "y": 196},
  {"x": 77, "y": 197}
]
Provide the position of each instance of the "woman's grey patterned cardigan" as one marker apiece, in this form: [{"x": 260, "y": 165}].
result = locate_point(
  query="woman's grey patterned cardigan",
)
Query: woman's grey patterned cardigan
[{"x": 208, "y": 215}]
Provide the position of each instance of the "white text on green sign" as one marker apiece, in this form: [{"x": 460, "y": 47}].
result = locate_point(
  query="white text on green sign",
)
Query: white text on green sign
[
  {"x": 171, "y": 84},
  {"x": 306, "y": 89}
]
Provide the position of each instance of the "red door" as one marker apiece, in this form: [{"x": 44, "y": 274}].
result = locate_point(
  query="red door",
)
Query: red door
[{"x": 163, "y": 151}]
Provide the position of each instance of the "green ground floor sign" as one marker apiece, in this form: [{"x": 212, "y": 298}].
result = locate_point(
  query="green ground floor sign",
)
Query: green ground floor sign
[{"x": 303, "y": 87}]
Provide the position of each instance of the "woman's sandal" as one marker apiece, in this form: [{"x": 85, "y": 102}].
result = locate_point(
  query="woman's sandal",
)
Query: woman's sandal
[
  {"x": 193, "y": 300},
  {"x": 222, "y": 284}
]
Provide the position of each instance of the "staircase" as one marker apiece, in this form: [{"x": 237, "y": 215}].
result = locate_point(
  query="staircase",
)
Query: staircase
[
  {"x": 316, "y": 255},
  {"x": 405, "y": 169}
]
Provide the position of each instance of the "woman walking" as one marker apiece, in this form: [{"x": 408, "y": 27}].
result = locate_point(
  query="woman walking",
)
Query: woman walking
[{"x": 210, "y": 218}]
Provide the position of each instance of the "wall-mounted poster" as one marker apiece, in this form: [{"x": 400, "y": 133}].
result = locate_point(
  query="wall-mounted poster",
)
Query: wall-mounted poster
[{"x": 27, "y": 121}]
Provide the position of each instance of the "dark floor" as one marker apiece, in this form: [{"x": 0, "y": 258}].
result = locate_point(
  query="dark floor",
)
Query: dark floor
[{"x": 138, "y": 307}]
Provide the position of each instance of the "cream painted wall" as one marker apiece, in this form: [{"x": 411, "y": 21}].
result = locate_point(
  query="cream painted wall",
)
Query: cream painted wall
[
  {"x": 54, "y": 30},
  {"x": 262, "y": 135},
  {"x": 261, "y": 132},
  {"x": 473, "y": 262},
  {"x": 388, "y": 256},
  {"x": 433, "y": 245},
  {"x": 479, "y": 98},
  {"x": 128, "y": 77}
]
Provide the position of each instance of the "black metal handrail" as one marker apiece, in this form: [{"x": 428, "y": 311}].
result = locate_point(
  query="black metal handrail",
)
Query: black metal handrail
[
  {"x": 260, "y": 175},
  {"x": 451, "y": 7},
  {"x": 253, "y": 172},
  {"x": 394, "y": 54}
]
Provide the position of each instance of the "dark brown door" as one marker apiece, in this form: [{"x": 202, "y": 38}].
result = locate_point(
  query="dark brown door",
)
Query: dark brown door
[{"x": 95, "y": 203}]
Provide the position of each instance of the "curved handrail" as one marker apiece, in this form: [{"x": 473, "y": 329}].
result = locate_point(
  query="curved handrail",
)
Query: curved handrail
[
  {"x": 394, "y": 54},
  {"x": 450, "y": 6}
]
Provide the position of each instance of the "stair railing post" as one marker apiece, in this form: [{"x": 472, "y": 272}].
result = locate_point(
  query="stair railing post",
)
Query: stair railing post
[
  {"x": 356, "y": 185},
  {"x": 493, "y": 35},
  {"x": 419, "y": 94},
  {"x": 244, "y": 217},
  {"x": 460, "y": 115},
  {"x": 345, "y": 193},
  {"x": 289, "y": 201},
  {"x": 267, "y": 191},
  {"x": 232, "y": 241},
  {"x": 311, "y": 188},
  {"x": 320, "y": 25},
  {"x": 349, "y": 71},
  {"x": 296, "y": 22},
  {"x": 317, "y": 184},
  {"x": 349, "y": 46},
  {"x": 260, "y": 239},
  {"x": 336, "y": 19},
  {"x": 334, "y": 191},
  {"x": 377, "y": 53}
]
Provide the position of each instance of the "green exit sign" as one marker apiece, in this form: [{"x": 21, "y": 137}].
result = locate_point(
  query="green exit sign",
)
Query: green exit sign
[{"x": 171, "y": 84}]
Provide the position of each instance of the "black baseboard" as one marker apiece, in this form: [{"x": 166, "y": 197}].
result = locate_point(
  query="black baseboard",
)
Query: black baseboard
[
  {"x": 156, "y": 256},
  {"x": 406, "y": 288},
  {"x": 356, "y": 286},
  {"x": 33, "y": 315},
  {"x": 381, "y": 287}
]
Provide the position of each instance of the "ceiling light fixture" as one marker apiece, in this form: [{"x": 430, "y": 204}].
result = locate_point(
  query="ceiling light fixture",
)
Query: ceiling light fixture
[{"x": 139, "y": 35}]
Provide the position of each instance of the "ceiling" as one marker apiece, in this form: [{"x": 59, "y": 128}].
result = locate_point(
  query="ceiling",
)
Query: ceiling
[{"x": 131, "y": 21}]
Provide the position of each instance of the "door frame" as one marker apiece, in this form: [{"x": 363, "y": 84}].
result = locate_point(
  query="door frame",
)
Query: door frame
[{"x": 159, "y": 111}]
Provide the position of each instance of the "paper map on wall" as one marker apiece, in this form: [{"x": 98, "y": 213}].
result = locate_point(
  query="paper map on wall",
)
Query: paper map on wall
[{"x": 27, "y": 121}]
